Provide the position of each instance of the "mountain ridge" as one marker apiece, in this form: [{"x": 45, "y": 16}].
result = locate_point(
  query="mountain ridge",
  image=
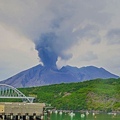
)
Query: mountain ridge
[{"x": 40, "y": 75}]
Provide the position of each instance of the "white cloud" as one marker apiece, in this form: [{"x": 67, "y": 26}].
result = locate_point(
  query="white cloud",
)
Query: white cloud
[
  {"x": 89, "y": 56},
  {"x": 113, "y": 36},
  {"x": 100, "y": 55},
  {"x": 16, "y": 53}
]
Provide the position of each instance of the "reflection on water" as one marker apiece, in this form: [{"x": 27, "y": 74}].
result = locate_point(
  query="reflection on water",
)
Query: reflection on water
[{"x": 83, "y": 116}]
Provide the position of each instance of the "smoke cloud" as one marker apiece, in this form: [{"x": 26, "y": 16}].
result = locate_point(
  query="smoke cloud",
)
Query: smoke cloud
[
  {"x": 68, "y": 26},
  {"x": 55, "y": 25},
  {"x": 46, "y": 50}
]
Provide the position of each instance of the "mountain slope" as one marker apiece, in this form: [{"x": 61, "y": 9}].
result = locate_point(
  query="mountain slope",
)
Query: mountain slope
[
  {"x": 40, "y": 75},
  {"x": 98, "y": 94}
]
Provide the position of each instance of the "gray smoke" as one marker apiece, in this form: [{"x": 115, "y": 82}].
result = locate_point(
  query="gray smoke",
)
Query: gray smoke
[
  {"x": 46, "y": 50},
  {"x": 55, "y": 25}
]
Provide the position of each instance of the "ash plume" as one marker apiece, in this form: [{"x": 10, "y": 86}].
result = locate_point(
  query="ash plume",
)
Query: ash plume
[
  {"x": 46, "y": 51},
  {"x": 64, "y": 30},
  {"x": 55, "y": 25}
]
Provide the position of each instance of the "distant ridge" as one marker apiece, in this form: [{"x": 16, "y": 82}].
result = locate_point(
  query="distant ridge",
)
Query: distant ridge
[{"x": 40, "y": 75}]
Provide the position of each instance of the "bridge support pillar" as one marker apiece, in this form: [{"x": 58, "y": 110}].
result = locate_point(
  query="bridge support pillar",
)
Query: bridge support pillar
[
  {"x": 34, "y": 116},
  {"x": 27, "y": 116},
  {"x": 3, "y": 116},
  {"x": 19, "y": 116},
  {"x": 11, "y": 116}
]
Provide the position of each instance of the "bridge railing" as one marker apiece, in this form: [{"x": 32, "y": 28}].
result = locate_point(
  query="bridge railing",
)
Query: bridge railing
[{"x": 7, "y": 91}]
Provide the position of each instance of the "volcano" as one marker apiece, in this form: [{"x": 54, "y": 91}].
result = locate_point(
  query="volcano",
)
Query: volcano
[{"x": 44, "y": 75}]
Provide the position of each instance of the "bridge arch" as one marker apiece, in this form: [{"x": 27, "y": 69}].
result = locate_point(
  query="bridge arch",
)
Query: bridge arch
[{"x": 7, "y": 91}]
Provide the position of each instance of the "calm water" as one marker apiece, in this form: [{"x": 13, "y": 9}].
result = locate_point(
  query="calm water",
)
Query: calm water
[{"x": 77, "y": 116}]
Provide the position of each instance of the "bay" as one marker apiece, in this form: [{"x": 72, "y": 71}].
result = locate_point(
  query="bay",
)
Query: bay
[{"x": 81, "y": 116}]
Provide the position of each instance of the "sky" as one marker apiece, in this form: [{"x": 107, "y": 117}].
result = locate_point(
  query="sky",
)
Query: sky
[{"x": 59, "y": 32}]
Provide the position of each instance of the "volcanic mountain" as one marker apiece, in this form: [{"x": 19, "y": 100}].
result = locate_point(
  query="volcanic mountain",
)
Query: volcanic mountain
[{"x": 44, "y": 75}]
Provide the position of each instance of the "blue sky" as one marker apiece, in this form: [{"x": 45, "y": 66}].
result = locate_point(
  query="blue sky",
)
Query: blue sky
[{"x": 85, "y": 32}]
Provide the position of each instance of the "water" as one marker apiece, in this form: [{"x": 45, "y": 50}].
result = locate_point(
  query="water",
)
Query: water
[{"x": 78, "y": 116}]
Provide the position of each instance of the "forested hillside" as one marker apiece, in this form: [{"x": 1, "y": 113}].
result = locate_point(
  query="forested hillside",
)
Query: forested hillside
[{"x": 99, "y": 94}]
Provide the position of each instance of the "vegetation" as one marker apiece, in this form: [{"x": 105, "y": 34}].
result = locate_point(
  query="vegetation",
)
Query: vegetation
[{"x": 99, "y": 94}]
